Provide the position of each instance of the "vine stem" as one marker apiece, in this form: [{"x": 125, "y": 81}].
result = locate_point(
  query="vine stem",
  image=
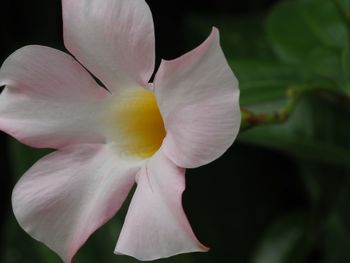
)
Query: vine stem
[{"x": 251, "y": 119}]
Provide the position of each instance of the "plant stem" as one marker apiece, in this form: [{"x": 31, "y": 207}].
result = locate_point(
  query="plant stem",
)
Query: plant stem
[{"x": 250, "y": 119}]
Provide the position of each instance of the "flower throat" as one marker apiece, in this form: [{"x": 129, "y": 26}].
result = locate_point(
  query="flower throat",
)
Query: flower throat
[{"x": 138, "y": 123}]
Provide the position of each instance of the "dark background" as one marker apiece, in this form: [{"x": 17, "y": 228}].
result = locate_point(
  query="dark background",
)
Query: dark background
[{"x": 255, "y": 204}]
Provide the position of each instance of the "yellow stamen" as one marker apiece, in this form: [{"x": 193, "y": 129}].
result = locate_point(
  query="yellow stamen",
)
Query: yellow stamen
[{"x": 137, "y": 124}]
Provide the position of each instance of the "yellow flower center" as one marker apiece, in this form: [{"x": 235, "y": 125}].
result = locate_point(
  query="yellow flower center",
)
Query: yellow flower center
[{"x": 137, "y": 125}]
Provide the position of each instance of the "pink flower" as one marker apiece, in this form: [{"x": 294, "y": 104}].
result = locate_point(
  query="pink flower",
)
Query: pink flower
[{"x": 106, "y": 140}]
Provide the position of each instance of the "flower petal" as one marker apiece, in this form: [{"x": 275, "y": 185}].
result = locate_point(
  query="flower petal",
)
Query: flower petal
[
  {"x": 49, "y": 99},
  {"x": 113, "y": 39},
  {"x": 70, "y": 193},
  {"x": 156, "y": 225},
  {"x": 198, "y": 97}
]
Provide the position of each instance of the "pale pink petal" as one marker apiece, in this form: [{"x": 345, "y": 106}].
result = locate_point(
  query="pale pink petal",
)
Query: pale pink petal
[
  {"x": 156, "y": 225},
  {"x": 114, "y": 39},
  {"x": 198, "y": 97},
  {"x": 49, "y": 99},
  {"x": 70, "y": 193}
]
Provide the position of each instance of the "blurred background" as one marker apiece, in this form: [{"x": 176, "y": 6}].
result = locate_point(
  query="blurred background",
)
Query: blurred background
[{"x": 281, "y": 194}]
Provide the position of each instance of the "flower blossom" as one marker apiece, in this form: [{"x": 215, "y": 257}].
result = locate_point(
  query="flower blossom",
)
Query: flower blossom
[{"x": 106, "y": 139}]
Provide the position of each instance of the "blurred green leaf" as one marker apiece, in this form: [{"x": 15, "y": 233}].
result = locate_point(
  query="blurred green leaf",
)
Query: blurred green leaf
[
  {"x": 296, "y": 28},
  {"x": 310, "y": 40},
  {"x": 241, "y": 36},
  {"x": 288, "y": 240},
  {"x": 294, "y": 44},
  {"x": 346, "y": 66},
  {"x": 263, "y": 81},
  {"x": 312, "y": 35},
  {"x": 308, "y": 135},
  {"x": 346, "y": 4},
  {"x": 337, "y": 241}
]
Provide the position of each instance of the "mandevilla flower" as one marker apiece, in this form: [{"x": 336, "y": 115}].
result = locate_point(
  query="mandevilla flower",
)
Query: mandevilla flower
[{"x": 105, "y": 140}]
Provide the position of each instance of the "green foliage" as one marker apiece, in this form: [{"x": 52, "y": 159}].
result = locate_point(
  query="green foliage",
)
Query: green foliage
[
  {"x": 308, "y": 136},
  {"x": 314, "y": 46},
  {"x": 306, "y": 50},
  {"x": 311, "y": 36},
  {"x": 286, "y": 241}
]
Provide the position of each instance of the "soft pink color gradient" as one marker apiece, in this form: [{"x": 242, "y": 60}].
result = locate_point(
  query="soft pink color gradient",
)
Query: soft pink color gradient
[
  {"x": 114, "y": 39},
  {"x": 51, "y": 101},
  {"x": 70, "y": 193},
  {"x": 155, "y": 214},
  {"x": 198, "y": 98}
]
